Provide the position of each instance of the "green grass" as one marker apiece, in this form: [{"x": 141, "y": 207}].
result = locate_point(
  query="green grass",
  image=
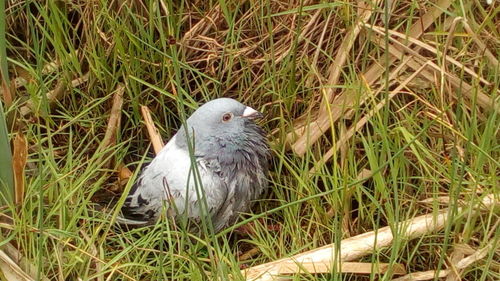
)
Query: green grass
[
  {"x": 430, "y": 141},
  {"x": 6, "y": 176}
]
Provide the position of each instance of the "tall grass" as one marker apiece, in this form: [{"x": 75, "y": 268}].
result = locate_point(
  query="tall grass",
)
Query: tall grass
[
  {"x": 430, "y": 146},
  {"x": 6, "y": 176}
]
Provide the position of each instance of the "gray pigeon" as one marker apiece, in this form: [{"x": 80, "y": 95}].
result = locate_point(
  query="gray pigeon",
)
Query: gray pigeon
[{"x": 231, "y": 156}]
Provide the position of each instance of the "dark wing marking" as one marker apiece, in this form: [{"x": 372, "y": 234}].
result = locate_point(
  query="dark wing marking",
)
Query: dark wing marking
[{"x": 139, "y": 210}]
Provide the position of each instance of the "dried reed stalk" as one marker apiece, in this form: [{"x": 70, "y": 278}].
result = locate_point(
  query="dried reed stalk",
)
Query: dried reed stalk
[
  {"x": 308, "y": 134},
  {"x": 54, "y": 94},
  {"x": 154, "y": 136},
  {"x": 361, "y": 245},
  {"x": 113, "y": 124}
]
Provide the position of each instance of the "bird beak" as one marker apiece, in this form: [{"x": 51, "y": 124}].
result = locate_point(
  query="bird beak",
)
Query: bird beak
[{"x": 251, "y": 113}]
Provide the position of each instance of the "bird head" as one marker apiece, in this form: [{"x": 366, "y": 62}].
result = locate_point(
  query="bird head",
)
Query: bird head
[{"x": 222, "y": 123}]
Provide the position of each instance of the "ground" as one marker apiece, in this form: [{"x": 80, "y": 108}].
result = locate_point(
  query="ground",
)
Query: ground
[{"x": 377, "y": 112}]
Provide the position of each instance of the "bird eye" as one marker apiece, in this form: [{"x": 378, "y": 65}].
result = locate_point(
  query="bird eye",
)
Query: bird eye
[{"x": 227, "y": 116}]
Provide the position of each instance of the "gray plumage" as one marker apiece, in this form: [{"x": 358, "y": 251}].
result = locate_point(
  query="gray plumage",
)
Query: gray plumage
[{"x": 231, "y": 156}]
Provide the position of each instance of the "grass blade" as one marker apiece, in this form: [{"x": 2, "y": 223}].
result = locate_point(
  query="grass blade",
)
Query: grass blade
[{"x": 6, "y": 175}]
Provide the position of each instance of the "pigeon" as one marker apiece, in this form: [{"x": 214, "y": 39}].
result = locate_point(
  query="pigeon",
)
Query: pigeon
[{"x": 220, "y": 154}]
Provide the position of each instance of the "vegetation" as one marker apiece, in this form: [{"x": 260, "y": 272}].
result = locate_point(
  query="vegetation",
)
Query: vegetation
[{"x": 377, "y": 112}]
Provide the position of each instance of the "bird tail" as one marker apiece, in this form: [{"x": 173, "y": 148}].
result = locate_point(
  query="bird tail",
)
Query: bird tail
[{"x": 121, "y": 219}]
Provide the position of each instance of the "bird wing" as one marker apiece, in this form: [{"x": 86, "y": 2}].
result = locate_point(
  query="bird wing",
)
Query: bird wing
[{"x": 169, "y": 180}]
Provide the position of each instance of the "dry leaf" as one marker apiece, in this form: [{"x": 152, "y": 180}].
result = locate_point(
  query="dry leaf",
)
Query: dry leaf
[{"x": 19, "y": 157}]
